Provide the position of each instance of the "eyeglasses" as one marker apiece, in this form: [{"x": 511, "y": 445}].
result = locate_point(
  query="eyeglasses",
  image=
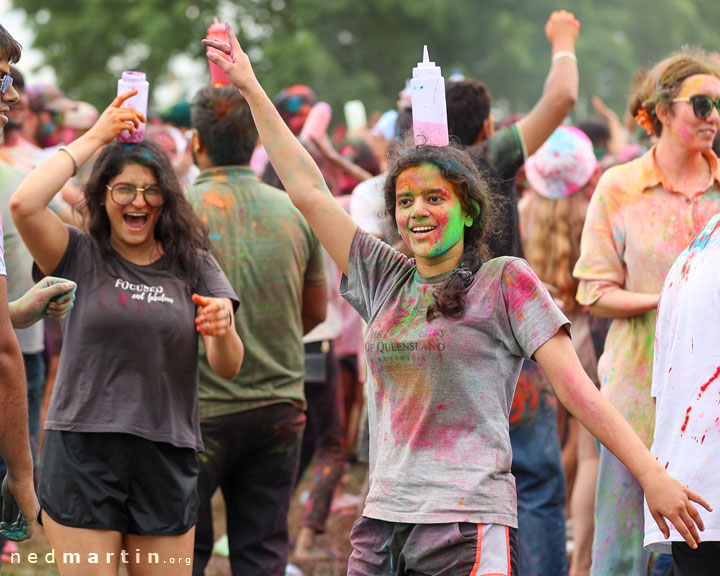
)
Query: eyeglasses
[
  {"x": 702, "y": 105},
  {"x": 6, "y": 83},
  {"x": 124, "y": 194}
]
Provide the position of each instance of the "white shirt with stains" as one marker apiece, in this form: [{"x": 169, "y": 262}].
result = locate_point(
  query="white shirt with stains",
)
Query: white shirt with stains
[{"x": 686, "y": 381}]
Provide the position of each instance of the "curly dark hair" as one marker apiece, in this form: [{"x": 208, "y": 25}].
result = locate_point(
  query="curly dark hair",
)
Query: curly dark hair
[
  {"x": 179, "y": 231},
  {"x": 664, "y": 81},
  {"x": 457, "y": 167}
]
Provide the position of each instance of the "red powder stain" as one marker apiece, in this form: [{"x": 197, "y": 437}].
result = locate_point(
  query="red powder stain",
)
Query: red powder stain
[
  {"x": 122, "y": 299},
  {"x": 523, "y": 287},
  {"x": 687, "y": 419},
  {"x": 705, "y": 386},
  {"x": 214, "y": 199},
  {"x": 670, "y": 370},
  {"x": 702, "y": 440},
  {"x": 527, "y": 395},
  {"x": 685, "y": 270},
  {"x": 667, "y": 464},
  {"x": 443, "y": 406}
]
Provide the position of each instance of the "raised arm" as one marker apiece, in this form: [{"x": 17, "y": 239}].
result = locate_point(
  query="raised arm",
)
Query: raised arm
[
  {"x": 41, "y": 229},
  {"x": 296, "y": 169},
  {"x": 561, "y": 86},
  {"x": 617, "y": 132},
  {"x": 666, "y": 497}
]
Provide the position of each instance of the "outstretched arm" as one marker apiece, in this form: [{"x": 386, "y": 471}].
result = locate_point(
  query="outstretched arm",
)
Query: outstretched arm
[
  {"x": 296, "y": 169},
  {"x": 666, "y": 497},
  {"x": 52, "y": 297},
  {"x": 561, "y": 86}
]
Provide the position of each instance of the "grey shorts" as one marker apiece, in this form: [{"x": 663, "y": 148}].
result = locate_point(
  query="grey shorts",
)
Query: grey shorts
[{"x": 460, "y": 548}]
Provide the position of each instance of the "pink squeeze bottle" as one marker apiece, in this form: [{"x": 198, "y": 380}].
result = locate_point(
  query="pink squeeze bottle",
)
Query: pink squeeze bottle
[
  {"x": 428, "y": 104},
  {"x": 139, "y": 102},
  {"x": 317, "y": 122},
  {"x": 217, "y": 76}
]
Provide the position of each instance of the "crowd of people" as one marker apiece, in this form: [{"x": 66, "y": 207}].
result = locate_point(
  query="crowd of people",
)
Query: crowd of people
[{"x": 514, "y": 333}]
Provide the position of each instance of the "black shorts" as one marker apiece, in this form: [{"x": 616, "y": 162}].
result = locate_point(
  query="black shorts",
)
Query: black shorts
[
  {"x": 121, "y": 482},
  {"x": 703, "y": 561}
]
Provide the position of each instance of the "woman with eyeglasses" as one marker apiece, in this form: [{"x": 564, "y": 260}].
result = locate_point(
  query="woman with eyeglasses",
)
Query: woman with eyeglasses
[
  {"x": 119, "y": 462},
  {"x": 642, "y": 216}
]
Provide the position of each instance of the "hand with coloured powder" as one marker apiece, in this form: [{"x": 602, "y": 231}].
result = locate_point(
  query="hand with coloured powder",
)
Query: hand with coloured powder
[
  {"x": 19, "y": 511},
  {"x": 214, "y": 317},
  {"x": 562, "y": 30},
  {"x": 215, "y": 321},
  {"x": 51, "y": 297}
]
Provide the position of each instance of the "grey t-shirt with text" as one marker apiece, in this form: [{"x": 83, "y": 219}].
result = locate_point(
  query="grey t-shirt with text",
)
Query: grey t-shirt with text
[
  {"x": 440, "y": 392},
  {"x": 129, "y": 360}
]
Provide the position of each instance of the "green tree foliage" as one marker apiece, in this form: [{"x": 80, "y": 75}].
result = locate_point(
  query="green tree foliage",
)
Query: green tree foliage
[{"x": 347, "y": 50}]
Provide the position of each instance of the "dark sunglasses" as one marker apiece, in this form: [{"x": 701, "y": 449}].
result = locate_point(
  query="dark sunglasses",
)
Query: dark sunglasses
[{"x": 702, "y": 105}]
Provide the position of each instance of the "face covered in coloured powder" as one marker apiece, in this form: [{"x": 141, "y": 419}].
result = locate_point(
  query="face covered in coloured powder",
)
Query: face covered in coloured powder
[
  {"x": 695, "y": 133},
  {"x": 428, "y": 213}
]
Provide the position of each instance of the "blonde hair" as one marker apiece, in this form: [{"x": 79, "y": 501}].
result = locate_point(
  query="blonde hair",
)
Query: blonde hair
[{"x": 551, "y": 241}]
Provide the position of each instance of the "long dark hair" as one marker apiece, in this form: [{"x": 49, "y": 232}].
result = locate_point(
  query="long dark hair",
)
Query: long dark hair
[
  {"x": 178, "y": 230},
  {"x": 472, "y": 190}
]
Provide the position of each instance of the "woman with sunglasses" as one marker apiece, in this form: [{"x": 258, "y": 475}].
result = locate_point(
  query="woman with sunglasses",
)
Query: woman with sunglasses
[
  {"x": 119, "y": 462},
  {"x": 642, "y": 216},
  {"x": 446, "y": 334}
]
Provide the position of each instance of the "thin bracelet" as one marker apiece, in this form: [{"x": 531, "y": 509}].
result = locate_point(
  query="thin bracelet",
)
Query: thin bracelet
[
  {"x": 72, "y": 157},
  {"x": 563, "y": 54}
]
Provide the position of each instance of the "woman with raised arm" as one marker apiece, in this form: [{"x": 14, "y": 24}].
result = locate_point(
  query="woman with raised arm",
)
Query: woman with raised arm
[
  {"x": 642, "y": 215},
  {"x": 447, "y": 332},
  {"x": 119, "y": 462}
]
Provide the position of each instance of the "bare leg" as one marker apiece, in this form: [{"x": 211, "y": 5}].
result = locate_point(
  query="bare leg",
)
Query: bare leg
[
  {"x": 159, "y": 555},
  {"x": 583, "y": 503},
  {"x": 81, "y": 552}
]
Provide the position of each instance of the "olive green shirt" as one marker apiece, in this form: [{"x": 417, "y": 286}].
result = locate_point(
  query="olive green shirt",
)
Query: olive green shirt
[{"x": 268, "y": 253}]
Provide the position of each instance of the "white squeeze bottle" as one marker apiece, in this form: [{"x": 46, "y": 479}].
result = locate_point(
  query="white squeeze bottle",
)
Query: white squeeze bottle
[{"x": 428, "y": 104}]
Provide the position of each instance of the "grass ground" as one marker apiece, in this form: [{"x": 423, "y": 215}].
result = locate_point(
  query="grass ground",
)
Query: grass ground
[{"x": 335, "y": 538}]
